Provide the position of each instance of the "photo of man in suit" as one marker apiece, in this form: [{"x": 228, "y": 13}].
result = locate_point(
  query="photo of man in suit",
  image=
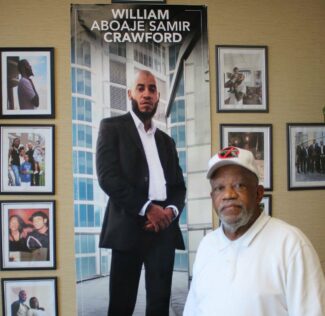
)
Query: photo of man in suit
[{"x": 138, "y": 168}]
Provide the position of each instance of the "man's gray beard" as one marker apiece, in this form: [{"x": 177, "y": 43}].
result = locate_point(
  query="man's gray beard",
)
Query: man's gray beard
[{"x": 243, "y": 219}]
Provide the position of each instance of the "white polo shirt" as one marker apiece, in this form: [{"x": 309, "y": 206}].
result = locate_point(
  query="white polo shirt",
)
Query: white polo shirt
[{"x": 272, "y": 270}]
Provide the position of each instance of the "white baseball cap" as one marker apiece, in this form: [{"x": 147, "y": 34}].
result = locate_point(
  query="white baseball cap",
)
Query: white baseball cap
[{"x": 232, "y": 156}]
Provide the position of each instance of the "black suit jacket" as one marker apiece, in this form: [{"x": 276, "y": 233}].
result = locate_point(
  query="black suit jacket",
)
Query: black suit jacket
[
  {"x": 15, "y": 308},
  {"x": 123, "y": 174}
]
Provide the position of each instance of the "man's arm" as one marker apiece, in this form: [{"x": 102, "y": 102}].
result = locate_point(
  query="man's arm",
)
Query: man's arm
[
  {"x": 305, "y": 288},
  {"x": 14, "y": 308},
  {"x": 29, "y": 91},
  {"x": 35, "y": 100}
]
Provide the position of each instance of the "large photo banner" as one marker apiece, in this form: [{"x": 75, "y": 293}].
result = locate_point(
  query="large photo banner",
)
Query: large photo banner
[{"x": 110, "y": 45}]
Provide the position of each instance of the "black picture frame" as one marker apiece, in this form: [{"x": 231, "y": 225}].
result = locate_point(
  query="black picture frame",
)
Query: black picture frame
[
  {"x": 306, "y": 156},
  {"x": 266, "y": 204},
  {"x": 139, "y": 1},
  {"x": 37, "y": 142},
  {"x": 17, "y": 91},
  {"x": 242, "y": 78},
  {"x": 258, "y": 139},
  {"x": 44, "y": 289},
  {"x": 28, "y": 235}
]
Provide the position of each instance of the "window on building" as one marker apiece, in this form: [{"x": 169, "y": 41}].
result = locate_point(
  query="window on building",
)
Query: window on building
[
  {"x": 118, "y": 98},
  {"x": 178, "y": 134},
  {"x": 76, "y": 215},
  {"x": 83, "y": 53},
  {"x": 118, "y": 49},
  {"x": 181, "y": 257},
  {"x": 86, "y": 267},
  {"x": 182, "y": 160},
  {"x": 181, "y": 261},
  {"x": 177, "y": 113},
  {"x": 104, "y": 262},
  {"x": 151, "y": 55},
  {"x": 82, "y": 135},
  {"x": 180, "y": 87},
  {"x": 117, "y": 72},
  {"x": 81, "y": 81},
  {"x": 85, "y": 189},
  {"x": 183, "y": 217},
  {"x": 173, "y": 54}
]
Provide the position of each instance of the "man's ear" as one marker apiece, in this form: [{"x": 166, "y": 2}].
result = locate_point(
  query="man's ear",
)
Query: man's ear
[
  {"x": 260, "y": 193},
  {"x": 129, "y": 94}
]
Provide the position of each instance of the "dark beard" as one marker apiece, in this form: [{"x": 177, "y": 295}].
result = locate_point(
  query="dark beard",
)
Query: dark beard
[{"x": 143, "y": 116}]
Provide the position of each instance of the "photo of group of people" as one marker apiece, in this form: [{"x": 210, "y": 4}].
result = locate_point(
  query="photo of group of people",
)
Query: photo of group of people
[
  {"x": 27, "y": 159},
  {"x": 26, "y": 162},
  {"x": 310, "y": 157},
  {"x": 306, "y": 155},
  {"x": 30, "y": 297},
  {"x": 28, "y": 231},
  {"x": 255, "y": 138}
]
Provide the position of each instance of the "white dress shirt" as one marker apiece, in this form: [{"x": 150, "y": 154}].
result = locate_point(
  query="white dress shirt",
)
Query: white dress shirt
[{"x": 157, "y": 181}]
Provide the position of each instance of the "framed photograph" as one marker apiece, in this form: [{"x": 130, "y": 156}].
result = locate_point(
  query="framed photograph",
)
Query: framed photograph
[
  {"x": 266, "y": 204},
  {"x": 139, "y": 1},
  {"x": 28, "y": 235},
  {"x": 26, "y": 159},
  {"x": 29, "y": 296},
  {"x": 306, "y": 156},
  {"x": 256, "y": 138},
  {"x": 27, "y": 82},
  {"x": 242, "y": 78}
]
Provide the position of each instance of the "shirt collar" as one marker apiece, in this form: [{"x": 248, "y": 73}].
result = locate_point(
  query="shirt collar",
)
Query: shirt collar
[
  {"x": 248, "y": 237},
  {"x": 140, "y": 126}
]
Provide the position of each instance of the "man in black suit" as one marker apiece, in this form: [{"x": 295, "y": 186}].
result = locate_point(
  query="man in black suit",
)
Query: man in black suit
[
  {"x": 322, "y": 156},
  {"x": 138, "y": 168},
  {"x": 19, "y": 308}
]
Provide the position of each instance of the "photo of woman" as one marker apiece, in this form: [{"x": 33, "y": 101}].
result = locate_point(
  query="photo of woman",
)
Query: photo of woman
[
  {"x": 18, "y": 231},
  {"x": 28, "y": 235}
]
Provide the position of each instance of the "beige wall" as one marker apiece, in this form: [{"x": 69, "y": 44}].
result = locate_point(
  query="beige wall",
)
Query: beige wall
[{"x": 293, "y": 30}]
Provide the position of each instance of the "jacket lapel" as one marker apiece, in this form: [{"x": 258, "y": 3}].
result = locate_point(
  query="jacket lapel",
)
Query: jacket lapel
[{"x": 132, "y": 131}]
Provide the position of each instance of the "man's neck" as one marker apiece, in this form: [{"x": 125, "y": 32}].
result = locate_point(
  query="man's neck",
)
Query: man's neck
[
  {"x": 147, "y": 124},
  {"x": 43, "y": 230}
]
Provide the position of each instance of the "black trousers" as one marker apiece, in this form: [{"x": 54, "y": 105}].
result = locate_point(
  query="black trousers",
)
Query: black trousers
[{"x": 158, "y": 259}]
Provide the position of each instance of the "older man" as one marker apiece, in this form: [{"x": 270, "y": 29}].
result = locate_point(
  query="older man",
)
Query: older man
[
  {"x": 138, "y": 168},
  {"x": 253, "y": 264}
]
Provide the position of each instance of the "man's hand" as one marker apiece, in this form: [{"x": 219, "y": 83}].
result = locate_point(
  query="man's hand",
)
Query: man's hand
[
  {"x": 170, "y": 213},
  {"x": 158, "y": 218}
]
